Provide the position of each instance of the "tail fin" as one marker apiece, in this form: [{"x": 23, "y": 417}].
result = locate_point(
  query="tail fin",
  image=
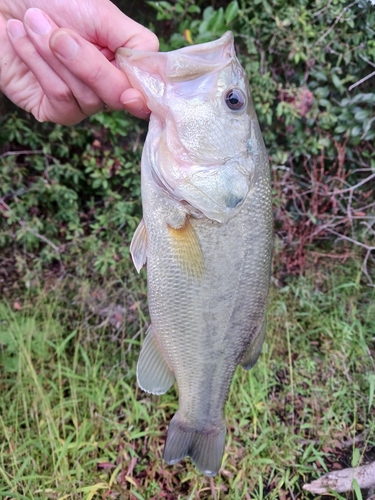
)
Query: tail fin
[{"x": 204, "y": 447}]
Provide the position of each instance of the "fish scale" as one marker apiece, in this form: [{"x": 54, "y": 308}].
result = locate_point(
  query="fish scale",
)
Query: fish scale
[{"x": 206, "y": 236}]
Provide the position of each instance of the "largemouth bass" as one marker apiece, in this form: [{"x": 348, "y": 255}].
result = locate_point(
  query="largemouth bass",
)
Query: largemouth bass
[{"x": 206, "y": 235}]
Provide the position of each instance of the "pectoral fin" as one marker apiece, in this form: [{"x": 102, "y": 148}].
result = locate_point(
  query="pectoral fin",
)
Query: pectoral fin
[
  {"x": 187, "y": 249},
  {"x": 153, "y": 372},
  {"x": 255, "y": 348},
  {"x": 138, "y": 246}
]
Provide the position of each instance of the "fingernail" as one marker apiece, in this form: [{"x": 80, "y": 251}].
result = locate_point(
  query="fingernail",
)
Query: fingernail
[
  {"x": 137, "y": 107},
  {"x": 134, "y": 104},
  {"x": 37, "y": 21},
  {"x": 65, "y": 46},
  {"x": 15, "y": 28}
]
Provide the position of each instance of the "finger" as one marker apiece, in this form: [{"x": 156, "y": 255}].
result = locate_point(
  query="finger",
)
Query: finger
[
  {"x": 52, "y": 99},
  {"x": 7, "y": 56},
  {"x": 108, "y": 26},
  {"x": 39, "y": 27},
  {"x": 119, "y": 30},
  {"x": 88, "y": 64},
  {"x": 134, "y": 102}
]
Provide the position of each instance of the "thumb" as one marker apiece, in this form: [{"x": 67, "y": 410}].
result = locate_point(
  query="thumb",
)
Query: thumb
[{"x": 115, "y": 29}]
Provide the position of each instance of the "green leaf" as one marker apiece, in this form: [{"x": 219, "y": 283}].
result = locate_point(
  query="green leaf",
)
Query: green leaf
[
  {"x": 356, "y": 131},
  {"x": 179, "y": 8},
  {"x": 337, "y": 83},
  {"x": 340, "y": 129},
  {"x": 371, "y": 391},
  {"x": 208, "y": 13},
  {"x": 357, "y": 490},
  {"x": 231, "y": 12},
  {"x": 216, "y": 24},
  {"x": 364, "y": 98},
  {"x": 362, "y": 115},
  {"x": 194, "y": 9},
  {"x": 319, "y": 75}
]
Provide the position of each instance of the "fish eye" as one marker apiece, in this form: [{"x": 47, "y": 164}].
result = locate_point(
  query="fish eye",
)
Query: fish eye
[{"x": 235, "y": 99}]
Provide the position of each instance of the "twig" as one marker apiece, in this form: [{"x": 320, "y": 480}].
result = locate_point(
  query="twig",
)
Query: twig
[
  {"x": 342, "y": 480},
  {"x": 358, "y": 243},
  {"x": 353, "y": 441},
  {"x": 291, "y": 493},
  {"x": 24, "y": 152},
  {"x": 40, "y": 237},
  {"x": 352, "y": 188},
  {"x": 367, "y": 60},
  {"x": 342, "y": 236},
  {"x": 212, "y": 486},
  {"x": 342, "y": 445},
  {"x": 23, "y": 225},
  {"x": 366, "y": 77},
  {"x": 364, "y": 267},
  {"x": 339, "y": 256},
  {"x": 336, "y": 21},
  {"x": 367, "y": 127},
  {"x": 370, "y": 205},
  {"x": 318, "y": 12},
  {"x": 361, "y": 81}
]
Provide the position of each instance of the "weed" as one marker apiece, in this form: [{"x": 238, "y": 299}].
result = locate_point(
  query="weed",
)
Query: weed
[{"x": 74, "y": 425}]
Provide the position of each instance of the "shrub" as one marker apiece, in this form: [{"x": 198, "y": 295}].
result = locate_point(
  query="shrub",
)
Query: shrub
[
  {"x": 309, "y": 65},
  {"x": 67, "y": 192},
  {"x": 305, "y": 62}
]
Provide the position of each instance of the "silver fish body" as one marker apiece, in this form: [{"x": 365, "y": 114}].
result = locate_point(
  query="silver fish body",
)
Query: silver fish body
[{"x": 206, "y": 235}]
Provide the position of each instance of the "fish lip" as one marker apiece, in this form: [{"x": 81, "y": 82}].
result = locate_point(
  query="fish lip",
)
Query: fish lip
[{"x": 225, "y": 39}]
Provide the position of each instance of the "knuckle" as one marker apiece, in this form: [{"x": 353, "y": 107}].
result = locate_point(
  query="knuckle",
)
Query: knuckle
[
  {"x": 153, "y": 42},
  {"x": 91, "y": 101},
  {"x": 94, "y": 76},
  {"x": 91, "y": 106},
  {"x": 61, "y": 94}
]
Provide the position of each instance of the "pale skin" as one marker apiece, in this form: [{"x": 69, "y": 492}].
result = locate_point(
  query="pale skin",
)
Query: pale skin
[{"x": 57, "y": 59}]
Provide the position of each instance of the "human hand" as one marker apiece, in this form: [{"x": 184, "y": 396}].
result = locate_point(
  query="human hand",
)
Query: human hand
[{"x": 59, "y": 63}]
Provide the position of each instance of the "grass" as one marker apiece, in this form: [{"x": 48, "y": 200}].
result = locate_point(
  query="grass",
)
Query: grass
[{"x": 73, "y": 424}]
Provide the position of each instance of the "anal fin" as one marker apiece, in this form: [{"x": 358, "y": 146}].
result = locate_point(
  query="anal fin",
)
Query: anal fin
[
  {"x": 153, "y": 372},
  {"x": 138, "y": 246},
  {"x": 255, "y": 348}
]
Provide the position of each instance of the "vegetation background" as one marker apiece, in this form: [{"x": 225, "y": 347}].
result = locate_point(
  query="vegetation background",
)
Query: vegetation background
[{"x": 73, "y": 424}]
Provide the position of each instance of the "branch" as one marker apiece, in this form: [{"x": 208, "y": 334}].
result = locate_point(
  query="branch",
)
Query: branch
[
  {"x": 361, "y": 81},
  {"x": 343, "y": 237},
  {"x": 6, "y": 208},
  {"x": 24, "y": 152},
  {"x": 352, "y": 188},
  {"x": 365, "y": 78},
  {"x": 342, "y": 480},
  {"x": 336, "y": 21},
  {"x": 39, "y": 236}
]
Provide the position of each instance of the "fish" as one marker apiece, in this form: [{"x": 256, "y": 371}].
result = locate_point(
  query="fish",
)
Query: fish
[{"x": 206, "y": 236}]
